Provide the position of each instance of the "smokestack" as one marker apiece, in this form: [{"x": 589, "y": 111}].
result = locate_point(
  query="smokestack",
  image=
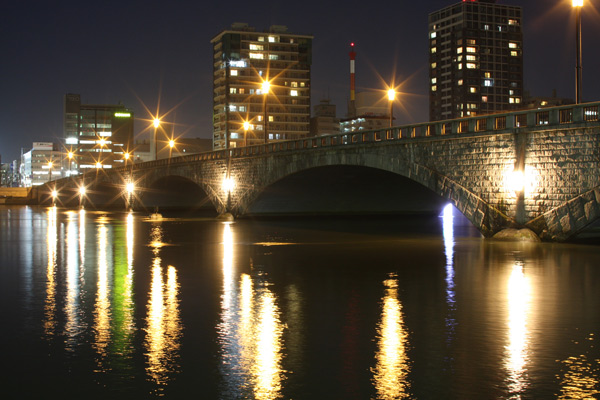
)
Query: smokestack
[{"x": 352, "y": 105}]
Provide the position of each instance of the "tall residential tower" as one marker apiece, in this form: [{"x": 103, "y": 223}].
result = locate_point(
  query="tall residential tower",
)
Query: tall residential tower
[
  {"x": 476, "y": 59},
  {"x": 243, "y": 59}
]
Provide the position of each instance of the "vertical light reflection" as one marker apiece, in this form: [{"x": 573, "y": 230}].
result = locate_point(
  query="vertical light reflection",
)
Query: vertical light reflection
[
  {"x": 392, "y": 368},
  {"x": 250, "y": 333},
  {"x": 448, "y": 232},
  {"x": 581, "y": 378},
  {"x": 102, "y": 315},
  {"x": 519, "y": 297},
  {"x": 51, "y": 245},
  {"x": 163, "y": 326},
  {"x": 72, "y": 325},
  {"x": 123, "y": 307},
  {"x": 82, "y": 239}
]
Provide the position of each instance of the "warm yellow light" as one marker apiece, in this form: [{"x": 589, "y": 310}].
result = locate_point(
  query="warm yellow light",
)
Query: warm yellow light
[
  {"x": 54, "y": 194},
  {"x": 246, "y": 125},
  {"x": 228, "y": 184},
  {"x": 266, "y": 86},
  {"x": 102, "y": 142},
  {"x": 70, "y": 155},
  {"x": 391, "y": 94},
  {"x": 156, "y": 122},
  {"x": 49, "y": 164},
  {"x": 171, "y": 143},
  {"x": 98, "y": 164},
  {"x": 126, "y": 155},
  {"x": 129, "y": 187},
  {"x": 82, "y": 190},
  {"x": 577, "y": 3}
]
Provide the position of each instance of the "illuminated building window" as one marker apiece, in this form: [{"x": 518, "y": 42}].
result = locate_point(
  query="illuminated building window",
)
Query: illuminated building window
[
  {"x": 433, "y": 35},
  {"x": 257, "y": 56},
  {"x": 514, "y": 53},
  {"x": 302, "y": 84},
  {"x": 273, "y": 57},
  {"x": 294, "y": 84},
  {"x": 233, "y": 72},
  {"x": 270, "y": 118},
  {"x": 488, "y": 82},
  {"x": 471, "y": 57},
  {"x": 484, "y": 99},
  {"x": 460, "y": 82},
  {"x": 473, "y": 89},
  {"x": 433, "y": 50},
  {"x": 260, "y": 118},
  {"x": 272, "y": 39},
  {"x": 261, "y": 38},
  {"x": 471, "y": 50},
  {"x": 460, "y": 66},
  {"x": 434, "y": 80},
  {"x": 471, "y": 66},
  {"x": 293, "y": 93},
  {"x": 257, "y": 47},
  {"x": 232, "y": 107},
  {"x": 433, "y": 65},
  {"x": 471, "y": 41},
  {"x": 232, "y": 90},
  {"x": 512, "y": 45},
  {"x": 459, "y": 50},
  {"x": 513, "y": 22},
  {"x": 434, "y": 88}
]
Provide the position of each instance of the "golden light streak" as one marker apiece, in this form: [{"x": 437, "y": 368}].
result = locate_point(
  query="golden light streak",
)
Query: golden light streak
[
  {"x": 102, "y": 311},
  {"x": 390, "y": 375},
  {"x": 50, "y": 303},
  {"x": 517, "y": 350},
  {"x": 581, "y": 379},
  {"x": 72, "y": 325}
]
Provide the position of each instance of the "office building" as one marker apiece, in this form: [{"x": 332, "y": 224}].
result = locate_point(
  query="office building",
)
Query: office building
[
  {"x": 324, "y": 121},
  {"x": 98, "y": 135},
  {"x": 243, "y": 59},
  {"x": 41, "y": 164},
  {"x": 370, "y": 110},
  {"x": 476, "y": 59}
]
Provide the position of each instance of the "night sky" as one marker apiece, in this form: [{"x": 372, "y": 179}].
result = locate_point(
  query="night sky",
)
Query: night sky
[{"x": 157, "y": 55}]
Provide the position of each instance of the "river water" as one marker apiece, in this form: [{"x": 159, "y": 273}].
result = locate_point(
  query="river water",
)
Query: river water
[{"x": 114, "y": 305}]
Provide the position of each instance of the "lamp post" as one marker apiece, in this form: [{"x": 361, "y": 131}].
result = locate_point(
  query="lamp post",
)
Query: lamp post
[
  {"x": 266, "y": 86},
  {"x": 391, "y": 97},
  {"x": 49, "y": 171},
  {"x": 246, "y": 127},
  {"x": 156, "y": 125},
  {"x": 70, "y": 157},
  {"x": 577, "y": 4}
]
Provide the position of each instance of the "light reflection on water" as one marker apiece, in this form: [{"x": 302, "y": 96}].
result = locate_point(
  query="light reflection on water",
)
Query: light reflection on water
[
  {"x": 507, "y": 320},
  {"x": 517, "y": 357},
  {"x": 250, "y": 331},
  {"x": 163, "y": 325},
  {"x": 390, "y": 375}
]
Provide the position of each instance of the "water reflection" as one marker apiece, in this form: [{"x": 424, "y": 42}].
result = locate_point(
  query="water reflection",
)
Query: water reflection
[
  {"x": 448, "y": 233},
  {"x": 581, "y": 378},
  {"x": 250, "y": 332},
  {"x": 72, "y": 302},
  {"x": 102, "y": 311},
  {"x": 393, "y": 365},
  {"x": 163, "y": 324},
  {"x": 51, "y": 245},
  {"x": 519, "y": 298}
]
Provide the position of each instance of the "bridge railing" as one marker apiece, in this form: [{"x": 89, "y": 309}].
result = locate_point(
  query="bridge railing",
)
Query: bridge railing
[{"x": 536, "y": 119}]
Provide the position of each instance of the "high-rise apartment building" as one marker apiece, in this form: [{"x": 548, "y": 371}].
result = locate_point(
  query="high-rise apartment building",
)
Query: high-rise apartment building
[
  {"x": 476, "y": 59},
  {"x": 98, "y": 135},
  {"x": 243, "y": 59}
]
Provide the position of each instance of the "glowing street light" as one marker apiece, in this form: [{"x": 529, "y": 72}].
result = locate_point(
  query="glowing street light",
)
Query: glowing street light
[
  {"x": 98, "y": 165},
  {"x": 246, "y": 126},
  {"x": 391, "y": 97},
  {"x": 156, "y": 124},
  {"x": 49, "y": 171},
  {"x": 577, "y": 5},
  {"x": 266, "y": 86},
  {"x": 54, "y": 195}
]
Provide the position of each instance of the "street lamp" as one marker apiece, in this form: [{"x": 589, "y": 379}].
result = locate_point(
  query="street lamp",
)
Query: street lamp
[
  {"x": 577, "y": 4},
  {"x": 266, "y": 86},
  {"x": 156, "y": 124},
  {"x": 70, "y": 157},
  {"x": 391, "y": 97},
  {"x": 246, "y": 127},
  {"x": 49, "y": 171}
]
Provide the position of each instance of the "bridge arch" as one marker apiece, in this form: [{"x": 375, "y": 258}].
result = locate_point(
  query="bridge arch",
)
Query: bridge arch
[
  {"x": 175, "y": 192},
  {"x": 276, "y": 167}
]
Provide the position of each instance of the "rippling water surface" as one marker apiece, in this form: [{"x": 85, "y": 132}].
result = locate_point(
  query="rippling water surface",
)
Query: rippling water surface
[{"x": 114, "y": 305}]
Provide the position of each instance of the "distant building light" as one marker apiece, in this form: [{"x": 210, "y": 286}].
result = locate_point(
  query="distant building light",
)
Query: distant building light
[
  {"x": 71, "y": 140},
  {"x": 122, "y": 115}
]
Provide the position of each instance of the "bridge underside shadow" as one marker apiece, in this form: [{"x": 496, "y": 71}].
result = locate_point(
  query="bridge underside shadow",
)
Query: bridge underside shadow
[
  {"x": 175, "y": 193},
  {"x": 345, "y": 190}
]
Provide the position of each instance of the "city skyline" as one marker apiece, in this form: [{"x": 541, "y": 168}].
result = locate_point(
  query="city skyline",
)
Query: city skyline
[{"x": 139, "y": 54}]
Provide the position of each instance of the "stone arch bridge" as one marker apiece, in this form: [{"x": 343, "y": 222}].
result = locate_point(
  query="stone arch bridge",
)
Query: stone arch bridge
[{"x": 538, "y": 169}]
